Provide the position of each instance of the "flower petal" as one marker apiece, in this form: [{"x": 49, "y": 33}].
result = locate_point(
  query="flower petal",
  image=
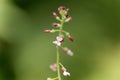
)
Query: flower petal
[
  {"x": 65, "y": 73},
  {"x": 60, "y": 39},
  {"x": 57, "y": 43}
]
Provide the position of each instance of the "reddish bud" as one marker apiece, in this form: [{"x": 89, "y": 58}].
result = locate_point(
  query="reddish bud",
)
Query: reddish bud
[
  {"x": 55, "y": 14},
  {"x": 62, "y": 40},
  {"x": 67, "y": 15},
  {"x": 55, "y": 24},
  {"x": 69, "y": 18},
  {"x": 53, "y": 67},
  {"x": 70, "y": 38},
  {"x": 63, "y": 69},
  {"x": 67, "y": 51},
  {"x": 67, "y": 9},
  {"x": 47, "y": 31}
]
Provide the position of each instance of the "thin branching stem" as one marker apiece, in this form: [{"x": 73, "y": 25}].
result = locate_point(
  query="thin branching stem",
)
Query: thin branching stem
[
  {"x": 58, "y": 55},
  {"x": 58, "y": 60}
]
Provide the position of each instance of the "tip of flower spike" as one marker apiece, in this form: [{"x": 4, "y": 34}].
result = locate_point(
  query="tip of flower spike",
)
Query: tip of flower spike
[
  {"x": 61, "y": 8},
  {"x": 47, "y": 31}
]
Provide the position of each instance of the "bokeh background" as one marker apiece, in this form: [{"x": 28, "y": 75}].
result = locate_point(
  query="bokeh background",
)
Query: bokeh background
[{"x": 26, "y": 51}]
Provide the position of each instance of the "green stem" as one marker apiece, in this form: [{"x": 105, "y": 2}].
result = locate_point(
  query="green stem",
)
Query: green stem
[
  {"x": 58, "y": 60},
  {"x": 55, "y": 78},
  {"x": 58, "y": 55},
  {"x": 61, "y": 64},
  {"x": 61, "y": 27},
  {"x": 60, "y": 31}
]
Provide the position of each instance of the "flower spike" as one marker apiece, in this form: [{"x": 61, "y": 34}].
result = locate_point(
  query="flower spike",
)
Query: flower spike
[
  {"x": 63, "y": 18},
  {"x": 61, "y": 8}
]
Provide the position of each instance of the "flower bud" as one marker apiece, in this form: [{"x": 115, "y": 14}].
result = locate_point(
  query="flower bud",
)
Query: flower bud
[
  {"x": 63, "y": 69},
  {"x": 55, "y": 14},
  {"x": 55, "y": 25},
  {"x": 70, "y": 38},
  {"x": 67, "y": 15},
  {"x": 53, "y": 67},
  {"x": 47, "y": 31},
  {"x": 67, "y": 9},
  {"x": 67, "y": 51},
  {"x": 68, "y": 19}
]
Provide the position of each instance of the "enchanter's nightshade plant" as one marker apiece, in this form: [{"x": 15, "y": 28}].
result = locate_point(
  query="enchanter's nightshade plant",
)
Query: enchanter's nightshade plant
[{"x": 64, "y": 18}]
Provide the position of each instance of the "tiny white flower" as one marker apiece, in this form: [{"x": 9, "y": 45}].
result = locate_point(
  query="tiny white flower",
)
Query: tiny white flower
[
  {"x": 57, "y": 43},
  {"x": 65, "y": 73},
  {"x": 59, "y": 39}
]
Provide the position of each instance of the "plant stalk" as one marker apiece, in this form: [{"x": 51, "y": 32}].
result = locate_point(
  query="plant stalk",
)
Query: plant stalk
[
  {"x": 58, "y": 66},
  {"x": 58, "y": 55}
]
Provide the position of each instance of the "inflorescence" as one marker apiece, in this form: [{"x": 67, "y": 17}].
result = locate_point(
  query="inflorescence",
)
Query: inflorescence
[{"x": 64, "y": 18}]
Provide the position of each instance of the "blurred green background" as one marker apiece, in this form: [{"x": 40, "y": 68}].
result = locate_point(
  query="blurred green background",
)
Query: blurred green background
[{"x": 26, "y": 51}]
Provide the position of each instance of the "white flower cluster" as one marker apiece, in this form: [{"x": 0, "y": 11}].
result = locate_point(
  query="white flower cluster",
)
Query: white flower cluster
[
  {"x": 58, "y": 41},
  {"x": 63, "y": 69}
]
